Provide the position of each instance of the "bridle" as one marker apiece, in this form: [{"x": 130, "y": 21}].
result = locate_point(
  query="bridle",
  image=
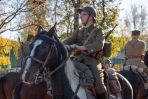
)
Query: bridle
[{"x": 44, "y": 70}]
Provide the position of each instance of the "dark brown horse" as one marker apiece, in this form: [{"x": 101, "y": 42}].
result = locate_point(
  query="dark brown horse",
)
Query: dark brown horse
[
  {"x": 24, "y": 90},
  {"x": 31, "y": 91},
  {"x": 9, "y": 81},
  {"x": 48, "y": 55},
  {"x": 137, "y": 83},
  {"x": 7, "y": 84}
]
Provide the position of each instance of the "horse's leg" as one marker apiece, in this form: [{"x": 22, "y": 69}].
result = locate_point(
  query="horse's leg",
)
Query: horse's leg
[
  {"x": 2, "y": 93},
  {"x": 127, "y": 91}
]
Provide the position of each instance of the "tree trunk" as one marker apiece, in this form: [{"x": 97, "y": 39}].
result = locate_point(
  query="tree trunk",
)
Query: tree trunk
[{"x": 76, "y": 5}]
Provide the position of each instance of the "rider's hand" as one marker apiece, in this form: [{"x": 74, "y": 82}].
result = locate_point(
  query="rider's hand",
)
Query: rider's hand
[
  {"x": 80, "y": 48},
  {"x": 76, "y": 47}
]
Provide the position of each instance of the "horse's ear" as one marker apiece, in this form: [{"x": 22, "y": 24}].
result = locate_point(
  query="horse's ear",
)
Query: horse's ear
[
  {"x": 40, "y": 29},
  {"x": 53, "y": 30}
]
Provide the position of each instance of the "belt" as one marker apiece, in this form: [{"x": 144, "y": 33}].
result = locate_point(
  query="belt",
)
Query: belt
[
  {"x": 97, "y": 55},
  {"x": 132, "y": 57}
]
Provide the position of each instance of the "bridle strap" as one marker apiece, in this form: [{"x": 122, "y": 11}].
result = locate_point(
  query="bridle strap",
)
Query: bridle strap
[
  {"x": 48, "y": 57},
  {"x": 42, "y": 62},
  {"x": 35, "y": 59}
]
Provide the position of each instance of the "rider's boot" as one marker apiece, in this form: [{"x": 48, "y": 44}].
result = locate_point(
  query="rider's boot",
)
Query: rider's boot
[{"x": 101, "y": 91}]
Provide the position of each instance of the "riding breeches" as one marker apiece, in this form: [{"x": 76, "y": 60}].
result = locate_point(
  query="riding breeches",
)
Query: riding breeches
[{"x": 97, "y": 75}]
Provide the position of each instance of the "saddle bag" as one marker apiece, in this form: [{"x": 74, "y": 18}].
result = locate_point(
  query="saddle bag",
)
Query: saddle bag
[{"x": 107, "y": 49}]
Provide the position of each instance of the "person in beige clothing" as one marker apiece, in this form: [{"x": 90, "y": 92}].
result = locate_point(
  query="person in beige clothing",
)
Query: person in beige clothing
[{"x": 134, "y": 53}]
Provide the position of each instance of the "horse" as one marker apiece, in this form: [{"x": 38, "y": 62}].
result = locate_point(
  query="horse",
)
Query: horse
[
  {"x": 48, "y": 55},
  {"x": 12, "y": 81},
  {"x": 31, "y": 91},
  {"x": 28, "y": 91},
  {"x": 137, "y": 83},
  {"x": 8, "y": 83}
]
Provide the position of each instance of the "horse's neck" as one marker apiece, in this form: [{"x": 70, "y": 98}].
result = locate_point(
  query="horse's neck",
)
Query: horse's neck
[
  {"x": 60, "y": 83},
  {"x": 65, "y": 82}
]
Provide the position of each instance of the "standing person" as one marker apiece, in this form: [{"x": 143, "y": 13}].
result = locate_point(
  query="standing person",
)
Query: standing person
[
  {"x": 112, "y": 78},
  {"x": 134, "y": 53},
  {"x": 89, "y": 39}
]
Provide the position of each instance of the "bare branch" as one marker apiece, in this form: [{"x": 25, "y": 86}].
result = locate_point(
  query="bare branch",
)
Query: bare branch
[
  {"x": 16, "y": 29},
  {"x": 14, "y": 14}
]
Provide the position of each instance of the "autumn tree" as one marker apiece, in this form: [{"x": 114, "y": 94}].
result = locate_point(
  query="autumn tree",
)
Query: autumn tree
[{"x": 136, "y": 19}]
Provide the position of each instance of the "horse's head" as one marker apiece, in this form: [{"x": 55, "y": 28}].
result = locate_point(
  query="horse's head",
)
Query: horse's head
[{"x": 45, "y": 54}]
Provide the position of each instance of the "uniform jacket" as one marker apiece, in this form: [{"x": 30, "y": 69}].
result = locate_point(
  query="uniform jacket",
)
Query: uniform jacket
[{"x": 94, "y": 44}]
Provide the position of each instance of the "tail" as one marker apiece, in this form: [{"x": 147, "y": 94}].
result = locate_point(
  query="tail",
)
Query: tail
[
  {"x": 17, "y": 91},
  {"x": 128, "y": 92},
  {"x": 2, "y": 92}
]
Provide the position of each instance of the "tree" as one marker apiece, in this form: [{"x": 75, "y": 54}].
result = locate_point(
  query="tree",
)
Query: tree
[
  {"x": 16, "y": 10},
  {"x": 136, "y": 19}
]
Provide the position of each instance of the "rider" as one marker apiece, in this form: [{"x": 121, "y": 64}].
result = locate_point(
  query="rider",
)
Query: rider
[
  {"x": 113, "y": 79},
  {"x": 134, "y": 54},
  {"x": 90, "y": 40}
]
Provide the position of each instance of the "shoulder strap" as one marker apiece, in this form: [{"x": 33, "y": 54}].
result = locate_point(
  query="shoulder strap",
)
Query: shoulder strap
[{"x": 90, "y": 35}]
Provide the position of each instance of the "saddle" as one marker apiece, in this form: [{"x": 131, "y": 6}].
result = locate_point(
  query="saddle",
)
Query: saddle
[
  {"x": 141, "y": 74},
  {"x": 86, "y": 80}
]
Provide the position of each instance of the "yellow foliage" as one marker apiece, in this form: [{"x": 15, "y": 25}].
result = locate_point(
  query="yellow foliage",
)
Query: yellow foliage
[
  {"x": 5, "y": 46},
  {"x": 117, "y": 67},
  {"x": 118, "y": 44},
  {"x": 4, "y": 61}
]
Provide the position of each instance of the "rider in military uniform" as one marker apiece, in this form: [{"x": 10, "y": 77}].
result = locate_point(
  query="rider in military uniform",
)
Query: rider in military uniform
[
  {"x": 90, "y": 40},
  {"x": 134, "y": 52}
]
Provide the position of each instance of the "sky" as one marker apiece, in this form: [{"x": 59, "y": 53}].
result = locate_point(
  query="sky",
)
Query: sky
[
  {"x": 127, "y": 3},
  {"x": 125, "y": 6}
]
